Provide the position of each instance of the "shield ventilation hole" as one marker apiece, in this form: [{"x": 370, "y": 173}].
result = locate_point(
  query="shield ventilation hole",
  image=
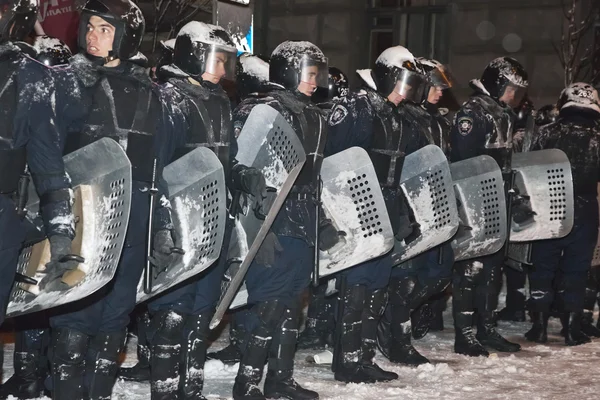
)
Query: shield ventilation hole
[
  {"x": 211, "y": 198},
  {"x": 438, "y": 198},
  {"x": 491, "y": 194},
  {"x": 281, "y": 145},
  {"x": 558, "y": 194},
  {"x": 364, "y": 201}
]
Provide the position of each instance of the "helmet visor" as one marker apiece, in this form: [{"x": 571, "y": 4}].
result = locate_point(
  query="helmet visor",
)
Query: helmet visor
[
  {"x": 220, "y": 62},
  {"x": 514, "y": 95},
  {"x": 411, "y": 86},
  {"x": 441, "y": 77},
  {"x": 314, "y": 72}
]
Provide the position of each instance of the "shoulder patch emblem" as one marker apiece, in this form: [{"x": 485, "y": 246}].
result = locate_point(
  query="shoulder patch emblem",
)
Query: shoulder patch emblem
[
  {"x": 338, "y": 114},
  {"x": 465, "y": 125}
]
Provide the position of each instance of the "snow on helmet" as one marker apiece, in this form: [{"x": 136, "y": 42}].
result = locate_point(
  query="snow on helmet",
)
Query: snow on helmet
[
  {"x": 581, "y": 95},
  {"x": 201, "y": 47},
  {"x": 502, "y": 72},
  {"x": 252, "y": 74},
  {"x": 291, "y": 62},
  {"x": 127, "y": 19},
  {"x": 437, "y": 73},
  {"x": 396, "y": 70},
  {"x": 18, "y": 21},
  {"x": 51, "y": 51}
]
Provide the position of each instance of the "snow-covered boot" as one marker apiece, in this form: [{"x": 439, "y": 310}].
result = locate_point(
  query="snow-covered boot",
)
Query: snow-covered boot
[
  {"x": 196, "y": 333},
  {"x": 69, "y": 348},
  {"x": 165, "y": 339},
  {"x": 488, "y": 336},
  {"x": 574, "y": 336},
  {"x": 101, "y": 364},
  {"x": 587, "y": 325},
  {"x": 402, "y": 294},
  {"x": 279, "y": 382},
  {"x": 256, "y": 350},
  {"x": 317, "y": 333},
  {"x": 29, "y": 366},
  {"x": 375, "y": 304},
  {"x": 465, "y": 341},
  {"x": 421, "y": 321},
  {"x": 140, "y": 372},
  {"x": 539, "y": 331}
]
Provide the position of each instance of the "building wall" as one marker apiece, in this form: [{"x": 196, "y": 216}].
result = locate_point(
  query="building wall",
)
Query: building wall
[{"x": 478, "y": 31}]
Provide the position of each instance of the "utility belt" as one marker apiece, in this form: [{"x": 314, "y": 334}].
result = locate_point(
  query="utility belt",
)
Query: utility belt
[{"x": 12, "y": 166}]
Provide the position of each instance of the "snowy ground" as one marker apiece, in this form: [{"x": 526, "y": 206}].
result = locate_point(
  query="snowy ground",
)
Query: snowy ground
[{"x": 551, "y": 371}]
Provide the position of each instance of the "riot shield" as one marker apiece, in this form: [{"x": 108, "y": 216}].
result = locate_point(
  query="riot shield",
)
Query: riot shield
[
  {"x": 101, "y": 178},
  {"x": 353, "y": 201},
  {"x": 479, "y": 190},
  {"x": 427, "y": 185},
  {"x": 198, "y": 196},
  {"x": 519, "y": 254},
  {"x": 544, "y": 178},
  {"x": 267, "y": 142}
]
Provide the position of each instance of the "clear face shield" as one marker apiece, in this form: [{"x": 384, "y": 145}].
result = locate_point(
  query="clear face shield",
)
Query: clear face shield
[
  {"x": 411, "y": 86},
  {"x": 513, "y": 95},
  {"x": 442, "y": 78},
  {"x": 314, "y": 74},
  {"x": 220, "y": 63}
]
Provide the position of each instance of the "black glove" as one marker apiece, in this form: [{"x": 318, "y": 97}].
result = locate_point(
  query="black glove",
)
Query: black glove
[
  {"x": 266, "y": 253},
  {"x": 407, "y": 230},
  {"x": 328, "y": 235},
  {"x": 253, "y": 182},
  {"x": 60, "y": 246},
  {"x": 163, "y": 254}
]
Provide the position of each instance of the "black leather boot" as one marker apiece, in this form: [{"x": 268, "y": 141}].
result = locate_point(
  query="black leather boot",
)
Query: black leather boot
[
  {"x": 29, "y": 365},
  {"x": 465, "y": 341},
  {"x": 574, "y": 336},
  {"x": 231, "y": 354},
  {"x": 165, "y": 341},
  {"x": 247, "y": 381},
  {"x": 403, "y": 293},
  {"x": 101, "y": 364},
  {"x": 488, "y": 336},
  {"x": 539, "y": 331},
  {"x": 69, "y": 348},
  {"x": 140, "y": 372},
  {"x": 375, "y": 304},
  {"x": 317, "y": 333},
  {"x": 196, "y": 332},
  {"x": 279, "y": 382}
]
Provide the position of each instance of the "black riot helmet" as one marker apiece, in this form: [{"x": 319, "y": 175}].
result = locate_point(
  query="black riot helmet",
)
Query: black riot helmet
[
  {"x": 396, "y": 70},
  {"x": 202, "y": 48},
  {"x": 252, "y": 74},
  {"x": 127, "y": 19},
  {"x": 438, "y": 74},
  {"x": 18, "y": 21},
  {"x": 546, "y": 115},
  {"x": 337, "y": 87},
  {"x": 51, "y": 51},
  {"x": 292, "y": 62},
  {"x": 581, "y": 95},
  {"x": 503, "y": 72}
]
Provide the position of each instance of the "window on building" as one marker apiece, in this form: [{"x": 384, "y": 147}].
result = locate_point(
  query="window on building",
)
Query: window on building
[{"x": 423, "y": 30}]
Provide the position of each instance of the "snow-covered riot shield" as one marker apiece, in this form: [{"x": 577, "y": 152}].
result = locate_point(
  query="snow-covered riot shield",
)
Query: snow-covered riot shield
[
  {"x": 352, "y": 199},
  {"x": 479, "y": 191},
  {"x": 198, "y": 198},
  {"x": 544, "y": 178},
  {"x": 427, "y": 185},
  {"x": 101, "y": 178},
  {"x": 267, "y": 142}
]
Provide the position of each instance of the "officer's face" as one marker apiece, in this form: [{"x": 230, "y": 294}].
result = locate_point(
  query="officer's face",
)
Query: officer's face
[
  {"x": 308, "y": 84},
  {"x": 435, "y": 94},
  {"x": 513, "y": 96},
  {"x": 99, "y": 37},
  {"x": 215, "y": 68}
]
